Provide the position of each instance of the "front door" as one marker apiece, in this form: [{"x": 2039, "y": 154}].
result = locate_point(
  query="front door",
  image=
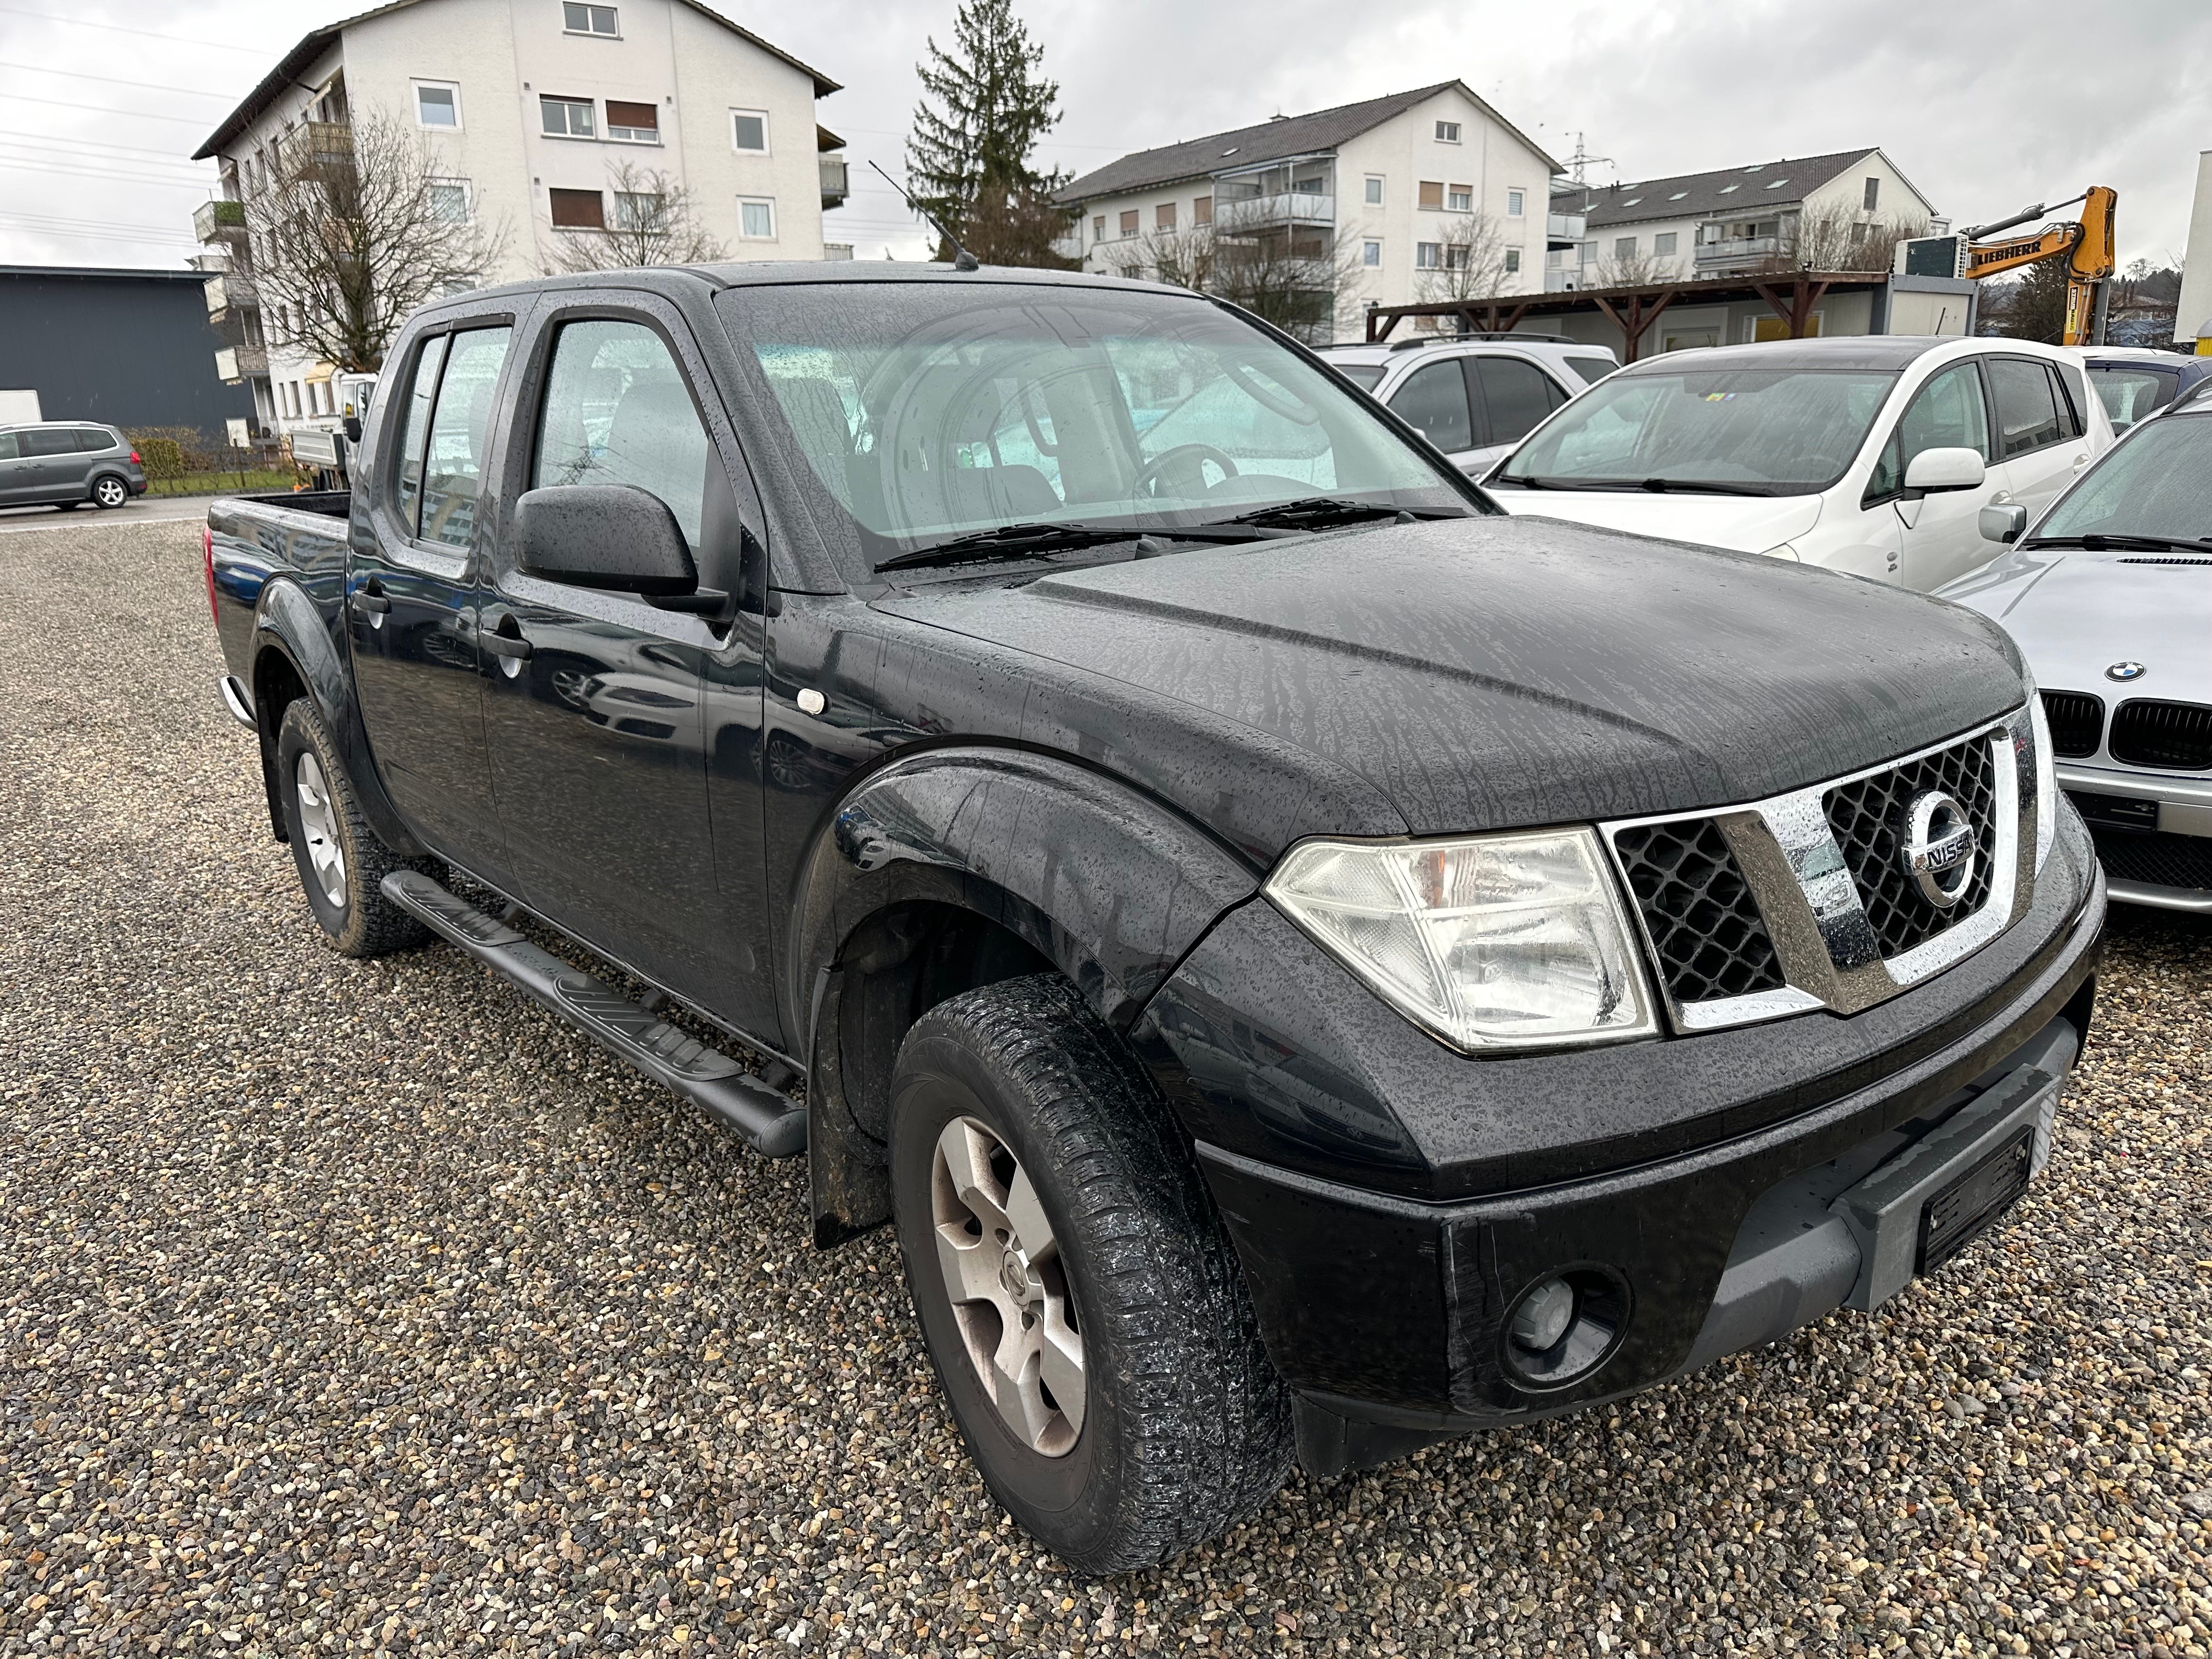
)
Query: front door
[
  {"x": 17, "y": 470},
  {"x": 1940, "y": 534},
  {"x": 411, "y": 594},
  {"x": 604, "y": 711}
]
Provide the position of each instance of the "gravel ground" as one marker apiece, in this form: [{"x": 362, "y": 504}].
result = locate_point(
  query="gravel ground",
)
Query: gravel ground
[{"x": 360, "y": 1307}]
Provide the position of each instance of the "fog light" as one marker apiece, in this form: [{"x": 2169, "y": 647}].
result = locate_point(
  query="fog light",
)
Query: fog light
[
  {"x": 1543, "y": 1314},
  {"x": 1562, "y": 1328}
]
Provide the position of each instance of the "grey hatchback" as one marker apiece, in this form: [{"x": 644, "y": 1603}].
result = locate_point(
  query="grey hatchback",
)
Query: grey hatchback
[{"x": 66, "y": 464}]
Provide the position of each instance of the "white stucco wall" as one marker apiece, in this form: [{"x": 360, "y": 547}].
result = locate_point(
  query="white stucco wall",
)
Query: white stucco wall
[{"x": 2195, "y": 311}]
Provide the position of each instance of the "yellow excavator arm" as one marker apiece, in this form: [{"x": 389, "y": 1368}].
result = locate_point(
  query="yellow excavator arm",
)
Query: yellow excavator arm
[{"x": 2087, "y": 244}]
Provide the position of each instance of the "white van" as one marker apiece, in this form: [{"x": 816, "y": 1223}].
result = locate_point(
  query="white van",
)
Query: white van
[{"x": 1873, "y": 454}]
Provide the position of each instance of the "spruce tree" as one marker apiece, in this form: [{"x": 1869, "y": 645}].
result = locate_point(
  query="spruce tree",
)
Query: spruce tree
[{"x": 986, "y": 104}]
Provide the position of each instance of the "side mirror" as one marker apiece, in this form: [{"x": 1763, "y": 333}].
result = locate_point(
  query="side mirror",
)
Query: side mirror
[
  {"x": 353, "y": 428},
  {"x": 1945, "y": 469},
  {"x": 606, "y": 536},
  {"x": 2002, "y": 521}
]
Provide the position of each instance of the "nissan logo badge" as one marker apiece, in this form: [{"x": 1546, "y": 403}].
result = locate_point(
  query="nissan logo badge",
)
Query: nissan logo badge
[{"x": 1939, "y": 847}]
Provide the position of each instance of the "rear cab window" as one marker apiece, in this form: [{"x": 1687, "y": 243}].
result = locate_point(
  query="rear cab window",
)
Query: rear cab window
[{"x": 445, "y": 431}]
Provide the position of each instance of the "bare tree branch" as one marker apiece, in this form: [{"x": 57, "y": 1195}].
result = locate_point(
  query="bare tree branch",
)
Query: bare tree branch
[
  {"x": 355, "y": 228},
  {"x": 654, "y": 224},
  {"x": 1471, "y": 261},
  {"x": 1295, "y": 276},
  {"x": 1834, "y": 237}
]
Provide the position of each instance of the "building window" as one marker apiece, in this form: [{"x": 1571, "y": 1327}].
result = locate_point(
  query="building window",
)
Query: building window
[
  {"x": 633, "y": 123},
  {"x": 568, "y": 117},
  {"x": 1516, "y": 204},
  {"x": 588, "y": 20},
  {"x": 749, "y": 131},
  {"x": 1623, "y": 247},
  {"x": 1460, "y": 198},
  {"x": 1374, "y": 197},
  {"x": 756, "y": 218},
  {"x": 437, "y": 104},
  {"x": 1097, "y": 227},
  {"x": 449, "y": 201},
  {"x": 1128, "y": 221},
  {"x": 637, "y": 210},
  {"x": 1873, "y": 193},
  {"x": 1432, "y": 195},
  {"x": 1428, "y": 256},
  {"x": 1201, "y": 209},
  {"x": 1370, "y": 254},
  {"x": 1663, "y": 244},
  {"x": 1512, "y": 260},
  {"x": 1448, "y": 132},
  {"x": 1164, "y": 216},
  {"x": 579, "y": 209}
]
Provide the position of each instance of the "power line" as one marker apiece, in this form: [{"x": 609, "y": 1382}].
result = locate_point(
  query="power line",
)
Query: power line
[
  {"x": 125, "y": 28},
  {"x": 109, "y": 109},
  {"x": 35, "y": 167},
  {"x": 64, "y": 219},
  {"x": 71, "y": 154},
  {"x": 142, "y": 86},
  {"x": 95, "y": 144}
]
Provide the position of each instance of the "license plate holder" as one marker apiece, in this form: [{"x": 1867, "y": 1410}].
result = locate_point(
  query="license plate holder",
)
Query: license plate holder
[{"x": 1958, "y": 1215}]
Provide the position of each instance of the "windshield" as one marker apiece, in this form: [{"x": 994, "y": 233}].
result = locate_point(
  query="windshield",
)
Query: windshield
[
  {"x": 2157, "y": 483},
  {"x": 1767, "y": 432},
  {"x": 931, "y": 412}
]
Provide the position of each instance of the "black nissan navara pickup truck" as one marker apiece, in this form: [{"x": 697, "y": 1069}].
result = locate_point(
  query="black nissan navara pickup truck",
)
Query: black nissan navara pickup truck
[{"x": 1307, "y": 962}]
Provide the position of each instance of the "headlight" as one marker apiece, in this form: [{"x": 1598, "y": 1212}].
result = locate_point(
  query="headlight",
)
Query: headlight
[
  {"x": 1489, "y": 942},
  {"x": 2046, "y": 777}
]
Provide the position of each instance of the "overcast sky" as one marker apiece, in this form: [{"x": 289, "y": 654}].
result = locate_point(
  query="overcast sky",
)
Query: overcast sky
[{"x": 1987, "y": 105}]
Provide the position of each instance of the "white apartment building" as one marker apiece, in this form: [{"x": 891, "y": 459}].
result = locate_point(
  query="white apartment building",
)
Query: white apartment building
[
  {"x": 1723, "y": 224},
  {"x": 1390, "y": 189},
  {"x": 531, "y": 107}
]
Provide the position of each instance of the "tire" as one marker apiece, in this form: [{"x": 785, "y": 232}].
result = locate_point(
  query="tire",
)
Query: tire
[
  {"x": 110, "y": 491},
  {"x": 339, "y": 858},
  {"x": 1181, "y": 1428}
]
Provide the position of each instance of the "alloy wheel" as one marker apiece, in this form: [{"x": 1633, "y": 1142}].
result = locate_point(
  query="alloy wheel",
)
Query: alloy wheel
[
  {"x": 318, "y": 823},
  {"x": 1008, "y": 1287},
  {"x": 109, "y": 492}
]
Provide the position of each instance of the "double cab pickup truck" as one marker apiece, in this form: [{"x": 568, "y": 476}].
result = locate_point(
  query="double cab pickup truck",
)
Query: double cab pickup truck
[{"x": 1308, "y": 964}]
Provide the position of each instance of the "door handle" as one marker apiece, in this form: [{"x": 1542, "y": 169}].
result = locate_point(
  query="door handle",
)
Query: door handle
[
  {"x": 504, "y": 640},
  {"x": 369, "y": 601}
]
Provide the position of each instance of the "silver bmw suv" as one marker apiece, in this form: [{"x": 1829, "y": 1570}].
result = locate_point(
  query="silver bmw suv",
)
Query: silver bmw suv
[{"x": 66, "y": 464}]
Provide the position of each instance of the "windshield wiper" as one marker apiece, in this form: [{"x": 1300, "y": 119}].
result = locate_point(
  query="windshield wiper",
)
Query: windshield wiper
[
  {"x": 1017, "y": 541},
  {"x": 2097, "y": 542},
  {"x": 1318, "y": 510}
]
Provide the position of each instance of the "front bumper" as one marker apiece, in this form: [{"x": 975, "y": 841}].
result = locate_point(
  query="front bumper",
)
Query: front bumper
[
  {"x": 2154, "y": 833},
  {"x": 1387, "y": 1311}
]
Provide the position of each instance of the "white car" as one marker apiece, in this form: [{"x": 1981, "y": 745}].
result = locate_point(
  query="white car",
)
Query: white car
[
  {"x": 1873, "y": 454},
  {"x": 1472, "y": 396},
  {"x": 2109, "y": 597}
]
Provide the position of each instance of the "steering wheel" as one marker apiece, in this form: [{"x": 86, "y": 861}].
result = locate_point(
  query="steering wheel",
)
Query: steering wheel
[{"x": 1197, "y": 454}]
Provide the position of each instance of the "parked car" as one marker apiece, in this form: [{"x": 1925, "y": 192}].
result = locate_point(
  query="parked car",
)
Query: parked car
[
  {"x": 66, "y": 464},
  {"x": 1871, "y": 454},
  {"x": 1474, "y": 396},
  {"x": 2135, "y": 381},
  {"x": 1307, "y": 963},
  {"x": 2109, "y": 595}
]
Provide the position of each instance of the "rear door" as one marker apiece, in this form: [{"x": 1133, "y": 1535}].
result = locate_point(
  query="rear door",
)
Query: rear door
[
  {"x": 1434, "y": 400},
  {"x": 1510, "y": 396},
  {"x": 605, "y": 715},
  {"x": 52, "y": 468},
  {"x": 411, "y": 600},
  {"x": 2042, "y": 440}
]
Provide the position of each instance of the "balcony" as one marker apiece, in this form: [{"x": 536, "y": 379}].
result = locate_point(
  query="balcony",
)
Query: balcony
[
  {"x": 836, "y": 184},
  {"x": 219, "y": 222},
  {"x": 233, "y": 364},
  {"x": 1564, "y": 228},
  {"x": 233, "y": 288},
  {"x": 1737, "y": 253},
  {"x": 1290, "y": 207},
  {"x": 317, "y": 143}
]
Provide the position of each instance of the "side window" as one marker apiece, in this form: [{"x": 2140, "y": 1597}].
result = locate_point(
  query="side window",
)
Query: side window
[
  {"x": 90, "y": 440},
  {"x": 1948, "y": 413},
  {"x": 414, "y": 421},
  {"x": 49, "y": 440},
  {"x": 2071, "y": 424},
  {"x": 1435, "y": 400},
  {"x": 8, "y": 450},
  {"x": 1518, "y": 395},
  {"x": 616, "y": 411},
  {"x": 460, "y": 432},
  {"x": 2027, "y": 417}
]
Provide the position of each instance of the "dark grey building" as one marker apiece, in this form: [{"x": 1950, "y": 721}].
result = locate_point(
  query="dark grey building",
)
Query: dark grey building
[{"x": 129, "y": 347}]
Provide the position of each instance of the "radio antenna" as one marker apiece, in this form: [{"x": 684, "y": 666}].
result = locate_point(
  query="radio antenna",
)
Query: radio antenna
[{"x": 962, "y": 259}]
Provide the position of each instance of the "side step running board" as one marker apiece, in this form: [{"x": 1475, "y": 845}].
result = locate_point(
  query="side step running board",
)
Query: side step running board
[{"x": 771, "y": 1121}]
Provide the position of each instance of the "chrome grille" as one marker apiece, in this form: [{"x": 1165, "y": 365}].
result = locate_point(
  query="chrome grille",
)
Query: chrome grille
[
  {"x": 1705, "y": 925},
  {"x": 1868, "y": 816},
  {"x": 1806, "y": 900}
]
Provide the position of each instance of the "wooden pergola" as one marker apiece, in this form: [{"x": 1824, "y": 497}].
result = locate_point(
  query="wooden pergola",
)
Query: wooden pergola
[{"x": 1790, "y": 295}]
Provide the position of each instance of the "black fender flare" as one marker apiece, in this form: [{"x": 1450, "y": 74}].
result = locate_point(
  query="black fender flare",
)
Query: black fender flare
[
  {"x": 1102, "y": 880},
  {"x": 288, "y": 622}
]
